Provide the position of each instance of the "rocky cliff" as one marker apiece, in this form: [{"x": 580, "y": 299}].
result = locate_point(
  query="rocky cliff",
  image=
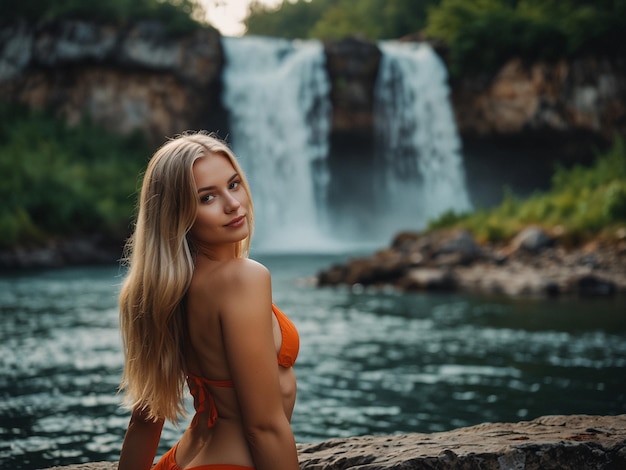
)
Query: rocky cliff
[
  {"x": 542, "y": 113},
  {"x": 125, "y": 78},
  {"x": 551, "y": 442},
  {"x": 140, "y": 77},
  {"x": 584, "y": 95}
]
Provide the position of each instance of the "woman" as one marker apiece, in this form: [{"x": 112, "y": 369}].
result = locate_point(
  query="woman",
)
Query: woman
[{"x": 195, "y": 309}]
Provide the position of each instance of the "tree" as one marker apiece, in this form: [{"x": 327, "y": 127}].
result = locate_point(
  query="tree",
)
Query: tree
[
  {"x": 483, "y": 34},
  {"x": 288, "y": 20},
  {"x": 332, "y": 19},
  {"x": 179, "y": 16}
]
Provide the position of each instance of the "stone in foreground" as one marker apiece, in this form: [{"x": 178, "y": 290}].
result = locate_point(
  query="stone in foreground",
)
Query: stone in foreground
[
  {"x": 574, "y": 442},
  {"x": 551, "y": 442}
]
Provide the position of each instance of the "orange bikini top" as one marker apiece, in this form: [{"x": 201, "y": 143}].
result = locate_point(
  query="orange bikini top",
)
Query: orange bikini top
[
  {"x": 291, "y": 340},
  {"x": 199, "y": 386}
]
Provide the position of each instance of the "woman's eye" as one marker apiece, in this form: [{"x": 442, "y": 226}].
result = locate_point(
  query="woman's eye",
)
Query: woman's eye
[
  {"x": 207, "y": 198},
  {"x": 234, "y": 185}
]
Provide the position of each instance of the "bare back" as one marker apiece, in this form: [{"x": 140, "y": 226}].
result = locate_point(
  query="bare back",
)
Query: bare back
[{"x": 233, "y": 336}]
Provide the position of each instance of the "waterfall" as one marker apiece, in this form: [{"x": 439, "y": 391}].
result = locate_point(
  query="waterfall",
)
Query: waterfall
[
  {"x": 277, "y": 95},
  {"x": 419, "y": 150},
  {"x": 276, "y": 92}
]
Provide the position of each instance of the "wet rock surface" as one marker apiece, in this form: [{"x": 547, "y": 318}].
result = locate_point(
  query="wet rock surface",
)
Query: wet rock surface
[
  {"x": 533, "y": 263},
  {"x": 551, "y": 442}
]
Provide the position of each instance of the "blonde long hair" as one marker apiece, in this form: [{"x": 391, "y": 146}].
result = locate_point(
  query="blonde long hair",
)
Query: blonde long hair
[{"x": 160, "y": 258}]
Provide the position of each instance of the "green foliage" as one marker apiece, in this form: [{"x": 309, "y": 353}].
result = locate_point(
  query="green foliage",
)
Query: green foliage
[
  {"x": 615, "y": 205},
  {"x": 179, "y": 16},
  {"x": 327, "y": 19},
  {"x": 60, "y": 180},
  {"x": 479, "y": 34},
  {"x": 582, "y": 202},
  {"x": 449, "y": 218},
  {"x": 289, "y": 20},
  {"x": 482, "y": 34}
]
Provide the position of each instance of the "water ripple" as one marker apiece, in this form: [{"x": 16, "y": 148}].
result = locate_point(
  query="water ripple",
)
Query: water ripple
[{"x": 370, "y": 362}]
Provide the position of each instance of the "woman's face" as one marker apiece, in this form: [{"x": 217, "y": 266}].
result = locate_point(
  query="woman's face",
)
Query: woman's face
[{"x": 222, "y": 202}]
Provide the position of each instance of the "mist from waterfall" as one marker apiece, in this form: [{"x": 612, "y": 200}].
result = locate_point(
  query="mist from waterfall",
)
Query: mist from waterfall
[{"x": 277, "y": 94}]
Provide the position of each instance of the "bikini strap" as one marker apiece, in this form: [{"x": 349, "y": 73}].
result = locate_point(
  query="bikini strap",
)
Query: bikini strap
[{"x": 203, "y": 398}]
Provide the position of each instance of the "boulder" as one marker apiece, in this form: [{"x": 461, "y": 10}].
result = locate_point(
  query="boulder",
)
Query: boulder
[
  {"x": 532, "y": 239},
  {"x": 593, "y": 286},
  {"x": 428, "y": 279},
  {"x": 531, "y": 265},
  {"x": 551, "y": 442}
]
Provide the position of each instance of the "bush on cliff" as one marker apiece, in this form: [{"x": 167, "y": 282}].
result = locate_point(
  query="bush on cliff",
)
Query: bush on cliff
[
  {"x": 334, "y": 19},
  {"x": 60, "y": 181},
  {"x": 482, "y": 34},
  {"x": 581, "y": 203},
  {"x": 179, "y": 16}
]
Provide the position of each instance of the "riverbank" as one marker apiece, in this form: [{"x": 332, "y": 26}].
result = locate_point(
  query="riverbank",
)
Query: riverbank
[
  {"x": 63, "y": 252},
  {"x": 533, "y": 263},
  {"x": 550, "y": 442}
]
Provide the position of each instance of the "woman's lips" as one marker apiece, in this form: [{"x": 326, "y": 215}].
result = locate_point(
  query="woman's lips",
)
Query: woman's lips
[{"x": 237, "y": 221}]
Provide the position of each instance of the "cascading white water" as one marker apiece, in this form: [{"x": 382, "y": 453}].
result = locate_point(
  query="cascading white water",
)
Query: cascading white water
[
  {"x": 419, "y": 151},
  {"x": 277, "y": 95},
  {"x": 276, "y": 92}
]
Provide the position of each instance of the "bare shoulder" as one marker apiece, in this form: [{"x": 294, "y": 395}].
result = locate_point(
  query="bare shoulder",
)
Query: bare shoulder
[
  {"x": 230, "y": 278},
  {"x": 242, "y": 272},
  {"x": 238, "y": 278},
  {"x": 229, "y": 273}
]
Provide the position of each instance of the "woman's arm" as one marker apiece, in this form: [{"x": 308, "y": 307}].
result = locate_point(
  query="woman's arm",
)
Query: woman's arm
[
  {"x": 246, "y": 318},
  {"x": 140, "y": 442}
]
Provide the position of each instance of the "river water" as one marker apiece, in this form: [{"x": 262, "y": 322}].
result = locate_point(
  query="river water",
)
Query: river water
[{"x": 370, "y": 362}]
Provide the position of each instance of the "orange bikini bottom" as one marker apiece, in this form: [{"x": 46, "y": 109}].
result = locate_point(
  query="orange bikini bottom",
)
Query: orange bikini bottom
[{"x": 167, "y": 462}]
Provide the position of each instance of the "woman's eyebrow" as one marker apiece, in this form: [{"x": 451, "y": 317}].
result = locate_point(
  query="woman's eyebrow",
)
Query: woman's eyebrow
[{"x": 211, "y": 188}]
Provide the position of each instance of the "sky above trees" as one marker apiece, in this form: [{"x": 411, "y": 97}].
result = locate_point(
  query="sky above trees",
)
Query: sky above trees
[{"x": 228, "y": 15}]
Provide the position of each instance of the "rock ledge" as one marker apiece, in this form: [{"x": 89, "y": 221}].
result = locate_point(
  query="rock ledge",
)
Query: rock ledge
[
  {"x": 551, "y": 442},
  {"x": 532, "y": 264}
]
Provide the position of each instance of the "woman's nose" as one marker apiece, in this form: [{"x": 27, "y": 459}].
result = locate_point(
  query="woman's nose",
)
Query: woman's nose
[{"x": 231, "y": 203}]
